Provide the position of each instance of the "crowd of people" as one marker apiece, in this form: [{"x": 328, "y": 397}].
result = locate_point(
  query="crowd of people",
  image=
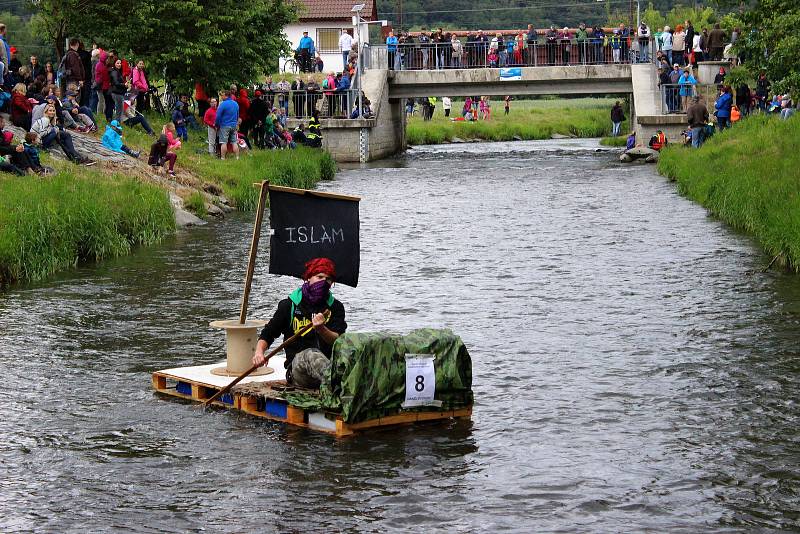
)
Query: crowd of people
[{"x": 51, "y": 105}]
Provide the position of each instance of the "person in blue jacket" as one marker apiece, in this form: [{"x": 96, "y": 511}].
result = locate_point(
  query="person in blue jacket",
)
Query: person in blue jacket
[
  {"x": 723, "y": 107},
  {"x": 112, "y": 139},
  {"x": 687, "y": 83},
  {"x": 305, "y": 52},
  {"x": 343, "y": 87},
  {"x": 227, "y": 123},
  {"x": 391, "y": 48}
]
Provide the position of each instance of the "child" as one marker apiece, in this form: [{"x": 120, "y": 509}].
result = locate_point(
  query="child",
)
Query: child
[
  {"x": 631, "y": 141},
  {"x": 179, "y": 122},
  {"x": 492, "y": 57},
  {"x": 31, "y": 139},
  {"x": 112, "y": 139},
  {"x": 507, "y": 100},
  {"x": 159, "y": 155},
  {"x": 173, "y": 142}
]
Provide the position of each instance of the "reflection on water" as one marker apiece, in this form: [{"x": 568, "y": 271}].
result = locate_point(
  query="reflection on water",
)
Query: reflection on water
[{"x": 631, "y": 372}]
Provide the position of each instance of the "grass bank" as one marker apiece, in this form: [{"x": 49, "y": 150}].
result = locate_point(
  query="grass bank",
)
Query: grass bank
[
  {"x": 748, "y": 176},
  {"x": 92, "y": 213},
  {"x": 77, "y": 215},
  {"x": 303, "y": 167},
  {"x": 527, "y": 119}
]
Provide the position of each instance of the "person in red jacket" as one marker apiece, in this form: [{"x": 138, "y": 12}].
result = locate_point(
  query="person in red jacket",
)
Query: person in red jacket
[
  {"x": 244, "y": 108},
  {"x": 21, "y": 107},
  {"x": 210, "y": 119},
  {"x": 102, "y": 85}
]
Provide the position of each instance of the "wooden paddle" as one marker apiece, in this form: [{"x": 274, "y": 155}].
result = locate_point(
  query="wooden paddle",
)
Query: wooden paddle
[{"x": 272, "y": 353}]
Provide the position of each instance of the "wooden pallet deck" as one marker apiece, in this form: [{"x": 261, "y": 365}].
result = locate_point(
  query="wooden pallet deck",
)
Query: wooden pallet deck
[{"x": 190, "y": 383}]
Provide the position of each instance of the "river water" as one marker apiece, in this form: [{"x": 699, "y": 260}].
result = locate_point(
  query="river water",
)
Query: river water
[{"x": 633, "y": 368}]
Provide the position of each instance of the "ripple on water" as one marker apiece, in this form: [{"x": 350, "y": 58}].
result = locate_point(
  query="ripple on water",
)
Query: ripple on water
[{"x": 633, "y": 370}]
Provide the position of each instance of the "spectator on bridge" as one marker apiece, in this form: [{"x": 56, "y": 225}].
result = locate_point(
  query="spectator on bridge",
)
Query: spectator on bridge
[
  {"x": 458, "y": 52},
  {"x": 528, "y": 45},
  {"x": 687, "y": 83},
  {"x": 689, "y": 39},
  {"x": 666, "y": 92},
  {"x": 582, "y": 38},
  {"x": 298, "y": 87},
  {"x": 644, "y": 42},
  {"x": 598, "y": 40},
  {"x": 519, "y": 50},
  {"x": 719, "y": 79},
  {"x": 667, "y": 43},
  {"x": 674, "y": 78},
  {"x": 616, "y": 45},
  {"x": 678, "y": 45},
  {"x": 617, "y": 118},
  {"x": 551, "y": 42},
  {"x": 624, "y": 35},
  {"x": 716, "y": 42},
  {"x": 566, "y": 45},
  {"x": 391, "y": 49}
]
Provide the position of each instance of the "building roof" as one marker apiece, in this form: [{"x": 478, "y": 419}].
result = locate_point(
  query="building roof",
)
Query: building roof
[{"x": 311, "y": 10}]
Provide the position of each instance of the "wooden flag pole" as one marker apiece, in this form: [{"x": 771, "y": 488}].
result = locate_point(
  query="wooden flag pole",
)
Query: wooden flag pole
[{"x": 251, "y": 264}]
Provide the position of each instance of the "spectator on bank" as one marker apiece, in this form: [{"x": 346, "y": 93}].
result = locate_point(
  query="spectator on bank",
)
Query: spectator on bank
[
  {"x": 46, "y": 128},
  {"x": 723, "y": 107},
  {"x": 73, "y": 65},
  {"x": 17, "y": 159},
  {"x": 716, "y": 42},
  {"x": 160, "y": 155},
  {"x": 179, "y": 122},
  {"x": 697, "y": 117},
  {"x": 617, "y": 118},
  {"x": 118, "y": 88},
  {"x": 139, "y": 84},
  {"x": 112, "y": 139},
  {"x": 631, "y": 141},
  {"x": 81, "y": 115},
  {"x": 21, "y": 107},
  {"x": 173, "y": 141},
  {"x": 787, "y": 107},
  {"x": 447, "y": 105},
  {"x": 209, "y": 118},
  {"x": 35, "y": 68},
  {"x": 131, "y": 116},
  {"x": 227, "y": 122}
]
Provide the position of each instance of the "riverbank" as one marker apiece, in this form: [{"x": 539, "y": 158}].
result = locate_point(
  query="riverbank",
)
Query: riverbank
[
  {"x": 749, "y": 177},
  {"x": 92, "y": 213},
  {"x": 527, "y": 120}
]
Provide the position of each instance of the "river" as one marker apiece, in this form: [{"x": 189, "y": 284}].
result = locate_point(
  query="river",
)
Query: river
[{"x": 633, "y": 368}]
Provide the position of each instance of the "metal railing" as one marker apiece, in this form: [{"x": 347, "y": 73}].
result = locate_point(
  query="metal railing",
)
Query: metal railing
[
  {"x": 301, "y": 104},
  {"x": 441, "y": 56},
  {"x": 675, "y": 96}
]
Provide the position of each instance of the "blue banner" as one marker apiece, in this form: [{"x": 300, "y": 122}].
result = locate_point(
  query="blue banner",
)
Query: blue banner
[{"x": 514, "y": 73}]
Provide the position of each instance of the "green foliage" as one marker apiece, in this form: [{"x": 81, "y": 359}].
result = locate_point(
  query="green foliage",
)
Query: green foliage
[
  {"x": 196, "y": 203},
  {"x": 50, "y": 225},
  {"x": 700, "y": 17},
  {"x": 747, "y": 176},
  {"x": 774, "y": 44},
  {"x": 620, "y": 140},
  {"x": 529, "y": 119},
  {"x": 216, "y": 42}
]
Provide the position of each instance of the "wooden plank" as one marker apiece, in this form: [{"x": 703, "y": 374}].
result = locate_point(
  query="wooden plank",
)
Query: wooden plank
[
  {"x": 248, "y": 404},
  {"x": 200, "y": 392},
  {"x": 159, "y": 382},
  {"x": 463, "y": 412},
  {"x": 294, "y": 415},
  {"x": 342, "y": 428},
  {"x": 309, "y": 192}
]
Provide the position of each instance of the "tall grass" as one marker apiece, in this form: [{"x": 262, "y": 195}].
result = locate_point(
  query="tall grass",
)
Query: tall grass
[
  {"x": 77, "y": 215},
  {"x": 528, "y": 119},
  {"x": 748, "y": 176}
]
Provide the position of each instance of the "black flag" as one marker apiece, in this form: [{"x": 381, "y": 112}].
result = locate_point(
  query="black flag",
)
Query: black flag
[{"x": 310, "y": 224}]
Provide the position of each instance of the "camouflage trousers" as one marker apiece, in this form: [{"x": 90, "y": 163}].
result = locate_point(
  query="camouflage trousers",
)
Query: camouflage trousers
[{"x": 309, "y": 367}]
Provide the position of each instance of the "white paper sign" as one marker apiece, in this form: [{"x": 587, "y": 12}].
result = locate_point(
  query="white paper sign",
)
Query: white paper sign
[{"x": 420, "y": 381}]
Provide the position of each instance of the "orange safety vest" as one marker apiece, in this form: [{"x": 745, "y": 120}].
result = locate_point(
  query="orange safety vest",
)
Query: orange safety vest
[
  {"x": 659, "y": 142},
  {"x": 735, "y": 114}
]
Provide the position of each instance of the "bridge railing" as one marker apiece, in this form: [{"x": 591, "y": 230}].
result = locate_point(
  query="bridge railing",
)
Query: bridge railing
[
  {"x": 442, "y": 56},
  {"x": 330, "y": 104},
  {"x": 673, "y": 102}
]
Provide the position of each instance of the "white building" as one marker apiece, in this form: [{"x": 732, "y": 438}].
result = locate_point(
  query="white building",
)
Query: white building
[{"x": 324, "y": 21}]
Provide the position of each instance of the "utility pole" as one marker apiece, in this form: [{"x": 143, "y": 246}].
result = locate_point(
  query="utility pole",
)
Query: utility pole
[{"x": 401, "y": 14}]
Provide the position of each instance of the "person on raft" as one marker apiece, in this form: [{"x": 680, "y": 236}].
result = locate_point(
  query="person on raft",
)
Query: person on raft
[{"x": 308, "y": 357}]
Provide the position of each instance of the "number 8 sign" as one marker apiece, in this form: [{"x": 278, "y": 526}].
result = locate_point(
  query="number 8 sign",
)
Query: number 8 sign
[{"x": 420, "y": 380}]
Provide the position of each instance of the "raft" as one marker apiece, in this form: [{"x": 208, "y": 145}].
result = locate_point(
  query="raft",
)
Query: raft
[{"x": 364, "y": 390}]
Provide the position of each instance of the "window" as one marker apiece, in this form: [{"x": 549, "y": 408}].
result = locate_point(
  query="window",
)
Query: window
[{"x": 328, "y": 40}]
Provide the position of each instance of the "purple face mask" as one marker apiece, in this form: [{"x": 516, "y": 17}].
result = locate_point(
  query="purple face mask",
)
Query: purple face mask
[{"x": 317, "y": 292}]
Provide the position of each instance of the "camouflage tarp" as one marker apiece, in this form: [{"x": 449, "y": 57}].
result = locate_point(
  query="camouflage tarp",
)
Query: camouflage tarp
[{"x": 367, "y": 378}]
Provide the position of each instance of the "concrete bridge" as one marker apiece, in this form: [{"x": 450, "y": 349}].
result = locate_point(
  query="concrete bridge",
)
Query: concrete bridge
[{"x": 370, "y": 139}]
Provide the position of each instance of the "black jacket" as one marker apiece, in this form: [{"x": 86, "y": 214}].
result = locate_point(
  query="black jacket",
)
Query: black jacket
[
  {"x": 289, "y": 318},
  {"x": 118, "y": 86}
]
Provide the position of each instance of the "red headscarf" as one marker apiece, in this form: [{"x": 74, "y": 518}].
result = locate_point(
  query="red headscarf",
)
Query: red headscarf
[{"x": 319, "y": 265}]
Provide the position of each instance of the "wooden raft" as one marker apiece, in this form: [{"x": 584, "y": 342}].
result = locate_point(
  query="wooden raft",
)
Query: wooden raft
[{"x": 260, "y": 397}]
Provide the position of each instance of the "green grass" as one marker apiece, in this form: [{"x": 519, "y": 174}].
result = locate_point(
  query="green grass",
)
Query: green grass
[
  {"x": 196, "y": 203},
  {"x": 528, "y": 119},
  {"x": 748, "y": 176},
  {"x": 51, "y": 224},
  {"x": 620, "y": 140}
]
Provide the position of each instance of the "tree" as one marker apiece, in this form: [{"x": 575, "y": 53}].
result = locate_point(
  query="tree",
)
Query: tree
[
  {"x": 772, "y": 43},
  {"x": 218, "y": 42}
]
